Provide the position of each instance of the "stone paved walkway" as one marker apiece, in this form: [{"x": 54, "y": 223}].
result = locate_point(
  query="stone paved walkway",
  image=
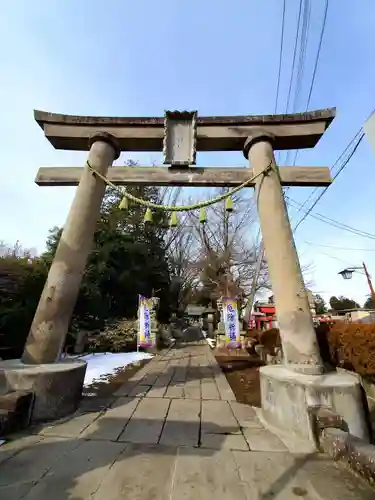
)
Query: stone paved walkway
[{"x": 175, "y": 431}]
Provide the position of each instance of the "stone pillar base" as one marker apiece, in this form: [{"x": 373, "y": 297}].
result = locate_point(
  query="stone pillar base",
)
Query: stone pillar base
[
  {"x": 57, "y": 387},
  {"x": 287, "y": 397}
]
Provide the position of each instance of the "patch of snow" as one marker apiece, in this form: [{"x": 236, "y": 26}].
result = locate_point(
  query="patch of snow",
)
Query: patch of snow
[
  {"x": 210, "y": 342},
  {"x": 100, "y": 366}
]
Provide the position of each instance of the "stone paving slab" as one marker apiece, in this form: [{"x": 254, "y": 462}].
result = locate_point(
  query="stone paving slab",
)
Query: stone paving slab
[
  {"x": 245, "y": 415},
  {"x": 155, "y": 365},
  {"x": 192, "y": 390},
  {"x": 219, "y": 427},
  {"x": 141, "y": 472},
  {"x": 70, "y": 428},
  {"x": 164, "y": 378},
  {"x": 284, "y": 476},
  {"x": 31, "y": 463},
  {"x": 263, "y": 440},
  {"x": 126, "y": 388},
  {"x": 182, "y": 424},
  {"x": 224, "y": 388},
  {"x": 95, "y": 404},
  {"x": 156, "y": 392},
  {"x": 180, "y": 374},
  {"x": 218, "y": 415},
  {"x": 16, "y": 491},
  {"x": 175, "y": 391},
  {"x": 147, "y": 422},
  {"x": 149, "y": 379},
  {"x": 110, "y": 425},
  {"x": 272, "y": 475},
  {"x": 19, "y": 443},
  {"x": 139, "y": 391},
  {"x": 209, "y": 389},
  {"x": 224, "y": 442},
  {"x": 80, "y": 475},
  {"x": 207, "y": 474}
]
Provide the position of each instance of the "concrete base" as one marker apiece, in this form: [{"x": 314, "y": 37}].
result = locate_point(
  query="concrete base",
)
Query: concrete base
[
  {"x": 287, "y": 397},
  {"x": 57, "y": 387}
]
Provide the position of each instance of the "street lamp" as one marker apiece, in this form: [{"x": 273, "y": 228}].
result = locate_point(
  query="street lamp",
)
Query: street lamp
[{"x": 347, "y": 274}]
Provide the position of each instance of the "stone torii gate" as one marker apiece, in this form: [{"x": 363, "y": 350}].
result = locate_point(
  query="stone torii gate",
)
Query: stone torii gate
[{"x": 180, "y": 135}]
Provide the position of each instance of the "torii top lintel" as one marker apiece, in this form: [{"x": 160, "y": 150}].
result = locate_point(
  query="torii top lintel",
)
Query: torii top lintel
[{"x": 214, "y": 133}]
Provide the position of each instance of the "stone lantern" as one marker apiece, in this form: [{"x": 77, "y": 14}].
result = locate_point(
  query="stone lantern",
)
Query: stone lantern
[{"x": 209, "y": 321}]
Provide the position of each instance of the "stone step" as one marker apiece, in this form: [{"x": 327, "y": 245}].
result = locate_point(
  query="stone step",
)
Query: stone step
[{"x": 15, "y": 411}]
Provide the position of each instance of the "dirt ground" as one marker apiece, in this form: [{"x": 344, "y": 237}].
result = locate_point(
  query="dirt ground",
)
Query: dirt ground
[{"x": 242, "y": 373}]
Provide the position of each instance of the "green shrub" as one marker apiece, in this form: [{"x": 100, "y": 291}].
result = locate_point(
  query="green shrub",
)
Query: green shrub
[
  {"x": 116, "y": 337},
  {"x": 21, "y": 283}
]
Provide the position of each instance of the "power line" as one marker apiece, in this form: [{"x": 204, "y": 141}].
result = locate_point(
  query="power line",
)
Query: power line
[
  {"x": 336, "y": 258},
  {"x": 334, "y": 178},
  {"x": 318, "y": 53},
  {"x": 333, "y": 166},
  {"x": 358, "y": 136},
  {"x": 332, "y": 222},
  {"x": 302, "y": 55},
  {"x": 341, "y": 248},
  {"x": 341, "y": 225},
  {"x": 280, "y": 56},
  {"x": 294, "y": 57},
  {"x": 336, "y": 224},
  {"x": 321, "y": 36},
  {"x": 332, "y": 256}
]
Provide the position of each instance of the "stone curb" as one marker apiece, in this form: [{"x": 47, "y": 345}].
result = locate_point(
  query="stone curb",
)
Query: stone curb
[{"x": 359, "y": 455}]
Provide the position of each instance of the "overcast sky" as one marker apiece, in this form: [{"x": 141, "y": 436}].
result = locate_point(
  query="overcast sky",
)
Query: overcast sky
[{"x": 139, "y": 58}]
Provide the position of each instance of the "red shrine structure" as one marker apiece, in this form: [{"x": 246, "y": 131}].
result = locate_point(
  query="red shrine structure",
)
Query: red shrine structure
[{"x": 264, "y": 316}]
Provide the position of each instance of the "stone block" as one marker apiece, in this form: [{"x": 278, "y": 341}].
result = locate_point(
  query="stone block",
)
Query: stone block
[
  {"x": 57, "y": 387},
  {"x": 359, "y": 455},
  {"x": 15, "y": 411},
  {"x": 326, "y": 418},
  {"x": 288, "y": 398}
]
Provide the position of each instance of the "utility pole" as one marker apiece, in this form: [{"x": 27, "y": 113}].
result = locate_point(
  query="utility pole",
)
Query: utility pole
[
  {"x": 372, "y": 293},
  {"x": 250, "y": 302}
]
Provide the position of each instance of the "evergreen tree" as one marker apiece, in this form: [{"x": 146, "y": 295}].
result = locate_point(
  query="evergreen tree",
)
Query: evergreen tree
[{"x": 127, "y": 258}]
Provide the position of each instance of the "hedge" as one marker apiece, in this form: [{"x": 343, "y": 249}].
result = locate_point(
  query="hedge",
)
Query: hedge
[
  {"x": 346, "y": 345},
  {"x": 351, "y": 346}
]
